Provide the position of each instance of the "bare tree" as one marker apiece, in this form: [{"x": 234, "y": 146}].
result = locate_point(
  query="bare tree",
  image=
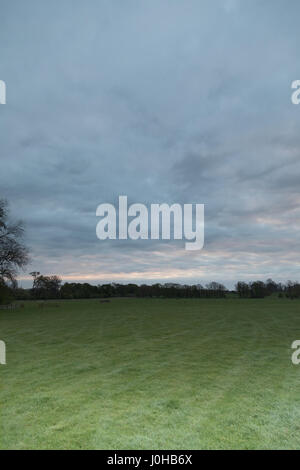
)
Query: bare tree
[{"x": 13, "y": 253}]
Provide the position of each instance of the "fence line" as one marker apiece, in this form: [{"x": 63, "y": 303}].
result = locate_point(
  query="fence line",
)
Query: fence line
[{"x": 9, "y": 307}]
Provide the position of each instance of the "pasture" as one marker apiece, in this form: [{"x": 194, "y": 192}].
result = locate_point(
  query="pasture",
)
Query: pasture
[{"x": 151, "y": 374}]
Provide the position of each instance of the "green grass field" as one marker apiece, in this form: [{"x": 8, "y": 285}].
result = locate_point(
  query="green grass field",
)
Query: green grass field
[{"x": 151, "y": 374}]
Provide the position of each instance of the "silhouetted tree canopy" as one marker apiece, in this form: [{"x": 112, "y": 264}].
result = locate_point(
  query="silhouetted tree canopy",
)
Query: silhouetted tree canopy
[{"x": 45, "y": 287}]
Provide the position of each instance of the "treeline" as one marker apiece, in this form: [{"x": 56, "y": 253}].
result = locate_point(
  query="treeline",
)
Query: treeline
[
  {"x": 260, "y": 289},
  {"x": 51, "y": 287},
  {"x": 169, "y": 290}
]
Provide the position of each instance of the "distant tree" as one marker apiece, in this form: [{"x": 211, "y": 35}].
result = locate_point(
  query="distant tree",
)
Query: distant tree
[
  {"x": 13, "y": 253},
  {"x": 215, "y": 286},
  {"x": 67, "y": 291},
  {"x": 272, "y": 286},
  {"x": 243, "y": 289},
  {"x": 292, "y": 290},
  {"x": 45, "y": 287},
  {"x": 22, "y": 294},
  {"x": 258, "y": 290},
  {"x": 34, "y": 274},
  {"x": 6, "y": 293}
]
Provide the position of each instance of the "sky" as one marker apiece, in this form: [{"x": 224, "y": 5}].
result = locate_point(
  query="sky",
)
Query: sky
[{"x": 165, "y": 102}]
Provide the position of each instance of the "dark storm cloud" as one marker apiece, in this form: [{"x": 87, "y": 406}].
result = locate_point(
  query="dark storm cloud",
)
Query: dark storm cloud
[{"x": 164, "y": 101}]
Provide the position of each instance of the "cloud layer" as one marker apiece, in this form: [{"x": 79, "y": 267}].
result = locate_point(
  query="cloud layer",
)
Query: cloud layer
[{"x": 164, "y": 101}]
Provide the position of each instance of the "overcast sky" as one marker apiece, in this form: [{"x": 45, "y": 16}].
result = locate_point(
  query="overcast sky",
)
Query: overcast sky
[{"x": 162, "y": 101}]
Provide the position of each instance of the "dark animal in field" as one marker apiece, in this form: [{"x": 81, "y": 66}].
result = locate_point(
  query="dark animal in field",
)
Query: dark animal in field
[{"x": 104, "y": 301}]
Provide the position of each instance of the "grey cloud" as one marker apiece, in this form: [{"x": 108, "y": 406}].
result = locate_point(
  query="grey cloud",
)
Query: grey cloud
[{"x": 162, "y": 101}]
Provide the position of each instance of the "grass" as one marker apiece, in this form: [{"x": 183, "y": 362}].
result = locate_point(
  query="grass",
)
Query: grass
[{"x": 151, "y": 374}]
